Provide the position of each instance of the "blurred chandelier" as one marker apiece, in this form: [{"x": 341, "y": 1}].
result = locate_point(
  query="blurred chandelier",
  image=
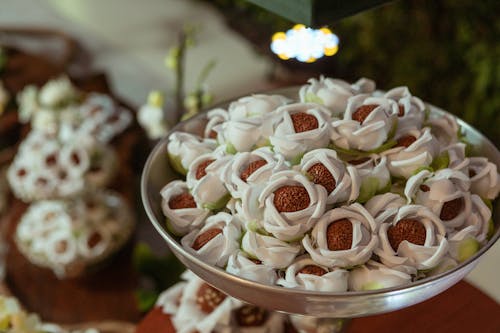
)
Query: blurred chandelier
[{"x": 304, "y": 44}]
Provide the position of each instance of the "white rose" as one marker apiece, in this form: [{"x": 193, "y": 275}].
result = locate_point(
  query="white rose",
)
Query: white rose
[
  {"x": 304, "y": 273},
  {"x": 216, "y": 240},
  {"x": 446, "y": 264},
  {"x": 413, "y": 236},
  {"x": 367, "y": 123},
  {"x": 45, "y": 120},
  {"x": 184, "y": 148},
  {"x": 270, "y": 251},
  {"x": 300, "y": 128},
  {"x": 343, "y": 237},
  {"x": 291, "y": 205},
  {"x": 373, "y": 176},
  {"x": 203, "y": 308},
  {"x": 383, "y": 205},
  {"x": 244, "y": 134},
  {"x": 374, "y": 275},
  {"x": 240, "y": 265},
  {"x": 445, "y": 128},
  {"x": 455, "y": 157},
  {"x": 249, "y": 168},
  {"x": 411, "y": 109},
  {"x": 255, "y": 106},
  {"x": 484, "y": 177},
  {"x": 204, "y": 180},
  {"x": 214, "y": 117},
  {"x": 326, "y": 169},
  {"x": 57, "y": 92},
  {"x": 414, "y": 149},
  {"x": 332, "y": 93},
  {"x": 182, "y": 212},
  {"x": 445, "y": 193}
]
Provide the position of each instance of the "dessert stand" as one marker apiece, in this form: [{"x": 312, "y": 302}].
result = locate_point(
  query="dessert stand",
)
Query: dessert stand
[{"x": 157, "y": 172}]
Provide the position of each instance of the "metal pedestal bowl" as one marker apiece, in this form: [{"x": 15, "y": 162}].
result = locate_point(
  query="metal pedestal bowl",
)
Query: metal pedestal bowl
[{"x": 157, "y": 172}]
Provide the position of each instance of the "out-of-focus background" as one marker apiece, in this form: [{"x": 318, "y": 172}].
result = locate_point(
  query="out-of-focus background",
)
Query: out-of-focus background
[{"x": 445, "y": 51}]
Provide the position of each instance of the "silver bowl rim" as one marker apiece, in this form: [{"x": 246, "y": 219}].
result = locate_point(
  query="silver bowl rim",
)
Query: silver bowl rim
[{"x": 391, "y": 291}]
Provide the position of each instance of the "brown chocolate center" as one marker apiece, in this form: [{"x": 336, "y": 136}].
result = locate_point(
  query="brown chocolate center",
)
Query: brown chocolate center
[
  {"x": 51, "y": 160},
  {"x": 303, "y": 122},
  {"x": 406, "y": 141},
  {"x": 183, "y": 200},
  {"x": 201, "y": 170},
  {"x": 401, "y": 111},
  {"x": 208, "y": 298},
  {"x": 291, "y": 198},
  {"x": 424, "y": 188},
  {"x": 205, "y": 237},
  {"x": 451, "y": 209},
  {"x": 363, "y": 111},
  {"x": 472, "y": 173},
  {"x": 94, "y": 239},
  {"x": 249, "y": 315},
  {"x": 75, "y": 158},
  {"x": 313, "y": 270},
  {"x": 410, "y": 230},
  {"x": 320, "y": 175},
  {"x": 359, "y": 161},
  {"x": 339, "y": 235},
  {"x": 212, "y": 134},
  {"x": 251, "y": 168}
]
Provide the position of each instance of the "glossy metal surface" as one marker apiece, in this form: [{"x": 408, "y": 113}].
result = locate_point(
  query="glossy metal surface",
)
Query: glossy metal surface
[{"x": 157, "y": 173}]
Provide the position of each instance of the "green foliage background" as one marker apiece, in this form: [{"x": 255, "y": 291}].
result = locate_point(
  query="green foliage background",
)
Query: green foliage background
[{"x": 446, "y": 51}]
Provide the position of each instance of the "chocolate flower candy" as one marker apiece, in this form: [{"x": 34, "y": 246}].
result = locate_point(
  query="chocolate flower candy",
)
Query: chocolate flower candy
[
  {"x": 178, "y": 205},
  {"x": 215, "y": 117},
  {"x": 251, "y": 319},
  {"x": 252, "y": 269},
  {"x": 306, "y": 274},
  {"x": 374, "y": 275},
  {"x": 445, "y": 193},
  {"x": 184, "y": 148},
  {"x": 444, "y": 127},
  {"x": 292, "y": 205},
  {"x": 255, "y": 106},
  {"x": 414, "y": 149},
  {"x": 57, "y": 92},
  {"x": 169, "y": 300},
  {"x": 203, "y": 308},
  {"x": 484, "y": 177},
  {"x": 300, "y": 128},
  {"x": 245, "y": 134},
  {"x": 413, "y": 236},
  {"x": 367, "y": 123},
  {"x": 411, "y": 109},
  {"x": 250, "y": 168},
  {"x": 216, "y": 241},
  {"x": 373, "y": 175},
  {"x": 333, "y": 93},
  {"x": 453, "y": 157},
  {"x": 269, "y": 250},
  {"x": 466, "y": 241},
  {"x": 204, "y": 180},
  {"x": 343, "y": 237},
  {"x": 324, "y": 168}
]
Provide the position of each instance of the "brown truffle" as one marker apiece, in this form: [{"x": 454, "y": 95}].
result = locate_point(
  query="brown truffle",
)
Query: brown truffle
[
  {"x": 75, "y": 158},
  {"x": 363, "y": 111},
  {"x": 205, "y": 237},
  {"x": 339, "y": 235},
  {"x": 291, "y": 198},
  {"x": 183, "y": 200},
  {"x": 251, "y": 168},
  {"x": 320, "y": 175},
  {"x": 51, "y": 160},
  {"x": 359, "y": 161},
  {"x": 94, "y": 239},
  {"x": 201, "y": 169},
  {"x": 410, "y": 230},
  {"x": 312, "y": 270},
  {"x": 451, "y": 209},
  {"x": 424, "y": 188},
  {"x": 212, "y": 134},
  {"x": 472, "y": 173},
  {"x": 208, "y": 298},
  {"x": 406, "y": 141},
  {"x": 250, "y": 316},
  {"x": 303, "y": 122}
]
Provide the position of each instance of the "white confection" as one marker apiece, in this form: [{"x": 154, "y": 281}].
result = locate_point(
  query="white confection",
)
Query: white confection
[
  {"x": 486, "y": 181},
  {"x": 215, "y": 117},
  {"x": 184, "y": 148},
  {"x": 255, "y": 106},
  {"x": 374, "y": 275},
  {"x": 364, "y": 238},
  {"x": 169, "y": 299},
  {"x": 152, "y": 119},
  {"x": 413, "y": 109},
  {"x": 445, "y": 128},
  {"x": 240, "y": 265}
]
